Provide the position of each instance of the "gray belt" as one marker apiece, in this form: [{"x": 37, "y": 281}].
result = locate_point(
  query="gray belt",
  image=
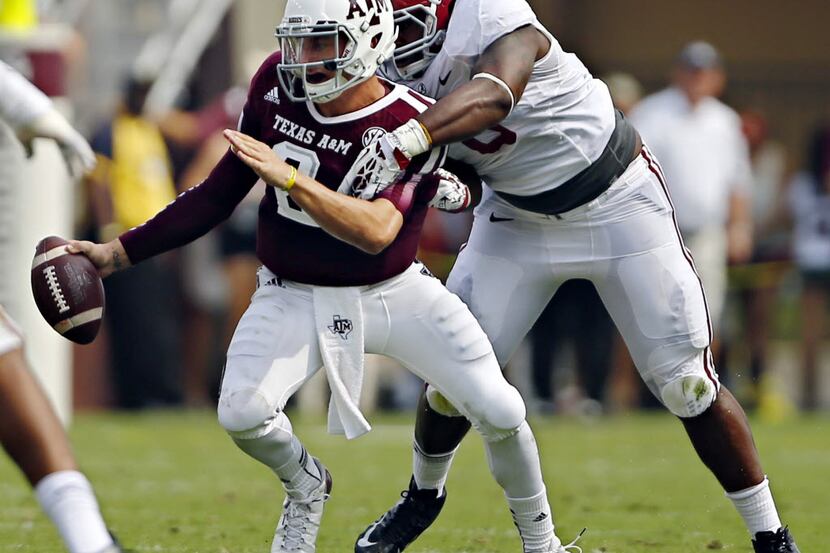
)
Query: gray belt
[{"x": 623, "y": 147}]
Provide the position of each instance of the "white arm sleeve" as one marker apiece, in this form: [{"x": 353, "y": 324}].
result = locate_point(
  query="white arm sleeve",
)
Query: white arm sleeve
[{"x": 20, "y": 101}]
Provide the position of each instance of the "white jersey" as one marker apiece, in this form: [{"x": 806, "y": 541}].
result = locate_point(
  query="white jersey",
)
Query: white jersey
[
  {"x": 703, "y": 152},
  {"x": 20, "y": 101},
  {"x": 558, "y": 128}
]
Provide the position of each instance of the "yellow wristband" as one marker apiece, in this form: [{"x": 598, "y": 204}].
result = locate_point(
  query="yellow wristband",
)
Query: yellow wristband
[
  {"x": 426, "y": 133},
  {"x": 292, "y": 179}
]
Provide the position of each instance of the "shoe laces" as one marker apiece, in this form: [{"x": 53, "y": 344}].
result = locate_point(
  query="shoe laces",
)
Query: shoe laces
[
  {"x": 295, "y": 521},
  {"x": 573, "y": 547},
  {"x": 408, "y": 509}
]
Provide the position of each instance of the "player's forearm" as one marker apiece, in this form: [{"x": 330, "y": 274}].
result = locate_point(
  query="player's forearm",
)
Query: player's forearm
[
  {"x": 118, "y": 255},
  {"x": 471, "y": 109},
  {"x": 369, "y": 226},
  {"x": 498, "y": 81}
]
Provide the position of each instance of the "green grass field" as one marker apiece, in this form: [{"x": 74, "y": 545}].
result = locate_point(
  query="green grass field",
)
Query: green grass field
[{"x": 175, "y": 483}]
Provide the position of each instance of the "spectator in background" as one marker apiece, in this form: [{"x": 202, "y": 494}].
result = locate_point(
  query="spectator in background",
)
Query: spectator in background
[
  {"x": 757, "y": 284},
  {"x": 810, "y": 205},
  {"x": 626, "y": 389},
  {"x": 133, "y": 182},
  {"x": 626, "y": 91},
  {"x": 705, "y": 157},
  {"x": 228, "y": 252},
  {"x": 575, "y": 314}
]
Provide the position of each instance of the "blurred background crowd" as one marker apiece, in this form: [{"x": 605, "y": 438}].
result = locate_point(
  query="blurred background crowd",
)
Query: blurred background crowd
[{"x": 731, "y": 96}]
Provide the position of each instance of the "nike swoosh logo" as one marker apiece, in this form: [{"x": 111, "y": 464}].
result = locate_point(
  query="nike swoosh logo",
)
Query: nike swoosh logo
[
  {"x": 364, "y": 540},
  {"x": 443, "y": 80},
  {"x": 494, "y": 219}
]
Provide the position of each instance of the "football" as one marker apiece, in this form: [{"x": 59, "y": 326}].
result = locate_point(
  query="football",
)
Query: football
[{"x": 68, "y": 291}]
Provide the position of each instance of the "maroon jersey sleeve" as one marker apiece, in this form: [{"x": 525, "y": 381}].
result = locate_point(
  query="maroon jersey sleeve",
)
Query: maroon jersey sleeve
[
  {"x": 193, "y": 213},
  {"x": 199, "y": 209}
]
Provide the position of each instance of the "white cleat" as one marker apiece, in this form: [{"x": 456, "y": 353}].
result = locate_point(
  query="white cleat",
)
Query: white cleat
[
  {"x": 567, "y": 548},
  {"x": 300, "y": 521}
]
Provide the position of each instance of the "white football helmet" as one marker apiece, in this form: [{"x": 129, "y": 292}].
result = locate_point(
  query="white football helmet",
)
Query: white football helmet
[
  {"x": 431, "y": 17},
  {"x": 364, "y": 35}
]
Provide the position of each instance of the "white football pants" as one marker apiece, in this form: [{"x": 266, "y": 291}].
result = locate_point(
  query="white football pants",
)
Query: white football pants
[
  {"x": 412, "y": 318},
  {"x": 625, "y": 242}
]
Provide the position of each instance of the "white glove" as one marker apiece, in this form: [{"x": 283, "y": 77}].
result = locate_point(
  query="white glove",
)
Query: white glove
[
  {"x": 383, "y": 161},
  {"x": 76, "y": 151},
  {"x": 453, "y": 196},
  {"x": 369, "y": 175}
]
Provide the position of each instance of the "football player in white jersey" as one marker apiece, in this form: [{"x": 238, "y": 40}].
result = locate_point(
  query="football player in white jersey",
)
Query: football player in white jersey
[
  {"x": 570, "y": 193},
  {"x": 29, "y": 428}
]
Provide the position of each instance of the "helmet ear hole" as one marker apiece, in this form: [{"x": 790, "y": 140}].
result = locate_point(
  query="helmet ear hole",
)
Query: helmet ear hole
[{"x": 362, "y": 36}]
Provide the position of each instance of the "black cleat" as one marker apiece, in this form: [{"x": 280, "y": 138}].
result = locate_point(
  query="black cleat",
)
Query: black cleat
[
  {"x": 115, "y": 547},
  {"x": 779, "y": 541},
  {"x": 403, "y": 523}
]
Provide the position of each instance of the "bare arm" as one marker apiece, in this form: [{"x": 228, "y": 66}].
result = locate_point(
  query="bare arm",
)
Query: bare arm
[
  {"x": 482, "y": 103},
  {"x": 739, "y": 229},
  {"x": 370, "y": 226}
]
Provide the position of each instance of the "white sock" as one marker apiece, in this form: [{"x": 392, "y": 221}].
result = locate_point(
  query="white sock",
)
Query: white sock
[
  {"x": 514, "y": 462},
  {"x": 757, "y": 508},
  {"x": 67, "y": 498},
  {"x": 430, "y": 471},
  {"x": 300, "y": 475},
  {"x": 534, "y": 519}
]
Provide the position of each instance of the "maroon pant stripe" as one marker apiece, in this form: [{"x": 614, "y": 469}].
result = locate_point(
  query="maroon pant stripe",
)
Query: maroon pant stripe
[{"x": 655, "y": 168}]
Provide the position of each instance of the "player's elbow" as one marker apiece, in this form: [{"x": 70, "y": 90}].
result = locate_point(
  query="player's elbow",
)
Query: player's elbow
[
  {"x": 376, "y": 240},
  {"x": 494, "y": 104},
  {"x": 500, "y": 106},
  {"x": 380, "y": 228}
]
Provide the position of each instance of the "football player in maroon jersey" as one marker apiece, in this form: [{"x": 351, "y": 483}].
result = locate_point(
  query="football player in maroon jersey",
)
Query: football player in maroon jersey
[{"x": 339, "y": 275}]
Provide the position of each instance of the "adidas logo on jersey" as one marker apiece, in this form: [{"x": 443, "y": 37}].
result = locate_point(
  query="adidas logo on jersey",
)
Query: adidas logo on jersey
[{"x": 273, "y": 95}]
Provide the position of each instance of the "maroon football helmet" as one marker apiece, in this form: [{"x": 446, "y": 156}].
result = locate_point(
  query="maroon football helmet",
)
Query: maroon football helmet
[{"x": 422, "y": 27}]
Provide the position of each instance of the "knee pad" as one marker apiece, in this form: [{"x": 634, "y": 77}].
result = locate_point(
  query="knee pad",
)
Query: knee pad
[
  {"x": 440, "y": 404},
  {"x": 500, "y": 417},
  {"x": 689, "y": 396},
  {"x": 247, "y": 414}
]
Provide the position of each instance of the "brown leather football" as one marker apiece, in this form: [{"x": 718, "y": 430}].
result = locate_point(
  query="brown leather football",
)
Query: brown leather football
[{"x": 68, "y": 291}]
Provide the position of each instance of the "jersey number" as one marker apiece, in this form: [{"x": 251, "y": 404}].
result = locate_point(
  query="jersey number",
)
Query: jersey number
[
  {"x": 500, "y": 137},
  {"x": 307, "y": 163}
]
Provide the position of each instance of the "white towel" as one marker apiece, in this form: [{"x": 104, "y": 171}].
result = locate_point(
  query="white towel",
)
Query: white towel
[{"x": 338, "y": 315}]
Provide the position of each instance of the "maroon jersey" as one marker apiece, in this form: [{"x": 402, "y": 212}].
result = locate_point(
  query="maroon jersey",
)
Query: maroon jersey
[{"x": 289, "y": 242}]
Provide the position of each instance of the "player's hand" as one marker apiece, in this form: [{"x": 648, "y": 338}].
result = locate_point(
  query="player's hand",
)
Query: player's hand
[
  {"x": 382, "y": 162},
  {"x": 107, "y": 258},
  {"x": 259, "y": 157},
  {"x": 453, "y": 196},
  {"x": 76, "y": 151}
]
